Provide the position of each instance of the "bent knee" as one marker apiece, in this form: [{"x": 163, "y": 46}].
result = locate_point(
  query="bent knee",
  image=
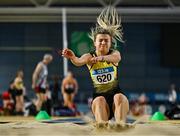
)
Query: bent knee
[
  {"x": 120, "y": 98},
  {"x": 99, "y": 100}
]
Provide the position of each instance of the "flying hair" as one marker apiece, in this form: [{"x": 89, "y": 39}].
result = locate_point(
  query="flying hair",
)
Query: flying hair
[{"x": 108, "y": 22}]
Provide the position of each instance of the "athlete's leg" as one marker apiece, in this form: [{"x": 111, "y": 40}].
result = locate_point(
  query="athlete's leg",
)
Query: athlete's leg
[
  {"x": 72, "y": 97},
  {"x": 43, "y": 100},
  {"x": 22, "y": 102},
  {"x": 38, "y": 102},
  {"x": 100, "y": 109},
  {"x": 40, "y": 99},
  {"x": 71, "y": 101},
  {"x": 121, "y": 107},
  {"x": 66, "y": 98},
  {"x": 18, "y": 104}
]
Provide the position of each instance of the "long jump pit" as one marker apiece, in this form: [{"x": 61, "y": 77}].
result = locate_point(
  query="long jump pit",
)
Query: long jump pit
[{"x": 76, "y": 126}]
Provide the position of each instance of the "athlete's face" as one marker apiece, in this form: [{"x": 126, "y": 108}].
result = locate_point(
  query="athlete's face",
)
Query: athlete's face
[
  {"x": 103, "y": 43},
  {"x": 21, "y": 74}
]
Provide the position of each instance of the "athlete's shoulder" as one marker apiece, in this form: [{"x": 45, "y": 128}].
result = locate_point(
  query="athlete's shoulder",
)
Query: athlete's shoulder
[
  {"x": 112, "y": 51},
  {"x": 39, "y": 66}
]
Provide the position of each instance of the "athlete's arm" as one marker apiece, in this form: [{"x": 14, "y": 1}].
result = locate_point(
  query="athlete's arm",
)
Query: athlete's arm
[
  {"x": 114, "y": 57},
  {"x": 36, "y": 74},
  {"x": 84, "y": 59}
]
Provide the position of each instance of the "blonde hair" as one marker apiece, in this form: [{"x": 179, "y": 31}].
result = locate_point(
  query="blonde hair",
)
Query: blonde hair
[{"x": 108, "y": 22}]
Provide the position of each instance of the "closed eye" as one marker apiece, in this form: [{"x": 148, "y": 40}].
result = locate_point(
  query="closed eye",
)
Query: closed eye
[{"x": 105, "y": 40}]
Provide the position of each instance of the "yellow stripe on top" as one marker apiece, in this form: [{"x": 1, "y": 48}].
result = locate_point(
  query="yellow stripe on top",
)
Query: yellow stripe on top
[
  {"x": 19, "y": 85},
  {"x": 104, "y": 76}
]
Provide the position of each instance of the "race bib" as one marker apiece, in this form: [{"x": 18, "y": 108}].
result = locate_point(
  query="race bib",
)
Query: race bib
[{"x": 103, "y": 75}]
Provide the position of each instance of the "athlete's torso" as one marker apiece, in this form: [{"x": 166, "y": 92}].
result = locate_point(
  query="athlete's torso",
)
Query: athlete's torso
[
  {"x": 19, "y": 85},
  {"x": 42, "y": 78},
  {"x": 104, "y": 76},
  {"x": 69, "y": 85}
]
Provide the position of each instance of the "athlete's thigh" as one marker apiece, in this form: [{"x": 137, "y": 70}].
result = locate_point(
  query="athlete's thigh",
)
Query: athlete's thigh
[{"x": 100, "y": 100}]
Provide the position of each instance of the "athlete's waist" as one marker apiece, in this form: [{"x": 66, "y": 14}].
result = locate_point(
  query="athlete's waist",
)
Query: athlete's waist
[{"x": 99, "y": 88}]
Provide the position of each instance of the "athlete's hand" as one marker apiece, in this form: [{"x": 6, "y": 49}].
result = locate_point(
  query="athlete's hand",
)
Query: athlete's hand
[
  {"x": 97, "y": 59},
  {"x": 68, "y": 53}
]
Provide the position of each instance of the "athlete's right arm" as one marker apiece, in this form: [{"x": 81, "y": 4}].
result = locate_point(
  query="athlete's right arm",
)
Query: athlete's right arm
[
  {"x": 84, "y": 59},
  {"x": 36, "y": 74}
]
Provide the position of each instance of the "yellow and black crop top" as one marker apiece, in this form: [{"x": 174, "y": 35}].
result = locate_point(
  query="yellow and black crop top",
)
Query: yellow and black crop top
[
  {"x": 19, "y": 85},
  {"x": 104, "y": 75}
]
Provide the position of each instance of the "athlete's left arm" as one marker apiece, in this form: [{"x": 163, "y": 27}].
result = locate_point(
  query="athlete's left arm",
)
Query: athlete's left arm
[{"x": 114, "y": 57}]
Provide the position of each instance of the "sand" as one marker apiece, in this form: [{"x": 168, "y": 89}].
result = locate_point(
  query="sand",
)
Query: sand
[{"x": 28, "y": 126}]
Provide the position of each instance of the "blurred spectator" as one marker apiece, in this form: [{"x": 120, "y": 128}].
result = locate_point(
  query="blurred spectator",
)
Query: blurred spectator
[
  {"x": 12, "y": 92},
  {"x": 1, "y": 105},
  {"x": 172, "y": 94},
  {"x": 39, "y": 82},
  {"x": 173, "y": 111},
  {"x": 55, "y": 90},
  {"x": 7, "y": 104},
  {"x": 19, "y": 89},
  {"x": 138, "y": 107},
  {"x": 69, "y": 89}
]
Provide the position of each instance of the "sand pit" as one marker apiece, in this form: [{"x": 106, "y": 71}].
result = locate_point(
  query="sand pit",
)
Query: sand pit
[{"x": 28, "y": 126}]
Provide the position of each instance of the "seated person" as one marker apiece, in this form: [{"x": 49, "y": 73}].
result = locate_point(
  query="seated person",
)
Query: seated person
[
  {"x": 19, "y": 89},
  {"x": 8, "y": 105}
]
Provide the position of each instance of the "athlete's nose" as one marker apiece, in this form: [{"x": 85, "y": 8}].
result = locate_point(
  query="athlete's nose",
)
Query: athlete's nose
[{"x": 103, "y": 42}]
